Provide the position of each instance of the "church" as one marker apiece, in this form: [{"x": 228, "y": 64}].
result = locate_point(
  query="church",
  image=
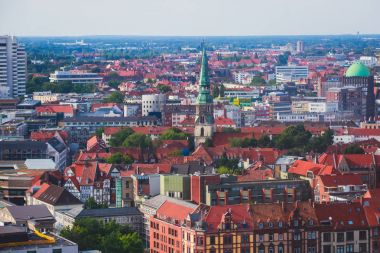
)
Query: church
[{"x": 204, "y": 118}]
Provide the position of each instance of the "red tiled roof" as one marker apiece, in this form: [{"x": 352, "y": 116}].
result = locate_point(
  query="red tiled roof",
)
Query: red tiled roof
[
  {"x": 239, "y": 213},
  {"x": 154, "y": 168},
  {"x": 363, "y": 132},
  {"x": 174, "y": 211},
  {"x": 342, "y": 215},
  {"x": 55, "y": 109},
  {"x": 300, "y": 167},
  {"x": 342, "y": 179}
]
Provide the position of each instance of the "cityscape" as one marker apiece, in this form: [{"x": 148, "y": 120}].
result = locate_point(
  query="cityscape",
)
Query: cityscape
[{"x": 189, "y": 133}]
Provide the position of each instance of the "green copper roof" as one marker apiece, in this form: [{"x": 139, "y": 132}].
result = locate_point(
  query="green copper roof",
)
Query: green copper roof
[
  {"x": 358, "y": 69},
  {"x": 204, "y": 96},
  {"x": 203, "y": 75}
]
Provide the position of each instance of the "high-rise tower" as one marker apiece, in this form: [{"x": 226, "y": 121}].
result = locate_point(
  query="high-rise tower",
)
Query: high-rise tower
[
  {"x": 12, "y": 67},
  {"x": 204, "y": 119}
]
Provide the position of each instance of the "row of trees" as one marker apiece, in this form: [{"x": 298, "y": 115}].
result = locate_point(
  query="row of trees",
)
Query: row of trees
[
  {"x": 42, "y": 84},
  {"x": 296, "y": 139},
  {"x": 91, "y": 234}
]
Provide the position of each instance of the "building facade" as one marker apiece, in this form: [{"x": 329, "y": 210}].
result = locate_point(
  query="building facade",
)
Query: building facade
[{"x": 12, "y": 67}]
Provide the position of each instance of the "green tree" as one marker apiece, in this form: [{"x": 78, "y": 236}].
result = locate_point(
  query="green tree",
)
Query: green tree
[
  {"x": 138, "y": 140},
  {"x": 224, "y": 170},
  {"x": 258, "y": 81},
  {"x": 115, "y": 97},
  {"x": 99, "y": 132},
  {"x": 173, "y": 134},
  {"x": 119, "y": 158},
  {"x": 353, "y": 149},
  {"x": 114, "y": 84},
  {"x": 216, "y": 91},
  {"x": 91, "y": 234},
  {"x": 118, "y": 138},
  {"x": 319, "y": 144},
  {"x": 283, "y": 58},
  {"x": 90, "y": 203},
  {"x": 292, "y": 137},
  {"x": 222, "y": 90},
  {"x": 264, "y": 141},
  {"x": 164, "y": 88}
]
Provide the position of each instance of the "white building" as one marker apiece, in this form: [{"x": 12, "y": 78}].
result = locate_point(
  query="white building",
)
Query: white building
[
  {"x": 234, "y": 112},
  {"x": 300, "y": 46},
  {"x": 291, "y": 73},
  {"x": 243, "y": 77},
  {"x": 242, "y": 93},
  {"x": 47, "y": 96},
  {"x": 12, "y": 67},
  {"x": 75, "y": 77},
  {"x": 153, "y": 103},
  {"x": 369, "y": 61}
]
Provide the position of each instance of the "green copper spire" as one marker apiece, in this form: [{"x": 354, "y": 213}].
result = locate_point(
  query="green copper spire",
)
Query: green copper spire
[{"x": 204, "y": 96}]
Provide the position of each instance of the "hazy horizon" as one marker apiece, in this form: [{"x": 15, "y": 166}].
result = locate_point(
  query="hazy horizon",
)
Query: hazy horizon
[{"x": 193, "y": 18}]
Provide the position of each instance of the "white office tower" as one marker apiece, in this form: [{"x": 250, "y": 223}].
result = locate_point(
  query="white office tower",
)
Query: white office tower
[
  {"x": 153, "y": 103},
  {"x": 12, "y": 67},
  {"x": 300, "y": 46}
]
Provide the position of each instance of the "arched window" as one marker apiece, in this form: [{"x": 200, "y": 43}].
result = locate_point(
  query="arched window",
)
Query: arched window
[{"x": 202, "y": 132}]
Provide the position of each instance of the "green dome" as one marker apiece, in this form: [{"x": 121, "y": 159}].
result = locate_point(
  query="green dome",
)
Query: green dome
[{"x": 358, "y": 69}]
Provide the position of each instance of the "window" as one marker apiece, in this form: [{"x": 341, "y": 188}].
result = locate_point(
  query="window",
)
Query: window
[
  {"x": 297, "y": 236},
  {"x": 349, "y": 236},
  {"x": 340, "y": 237},
  {"x": 212, "y": 240},
  {"x": 261, "y": 225},
  {"x": 271, "y": 249},
  {"x": 362, "y": 247},
  {"x": 326, "y": 237},
  {"x": 363, "y": 235},
  {"x": 280, "y": 249},
  {"x": 31, "y": 251},
  {"x": 245, "y": 238},
  {"x": 340, "y": 249},
  {"x": 280, "y": 237},
  {"x": 270, "y": 224},
  {"x": 227, "y": 239},
  {"x": 261, "y": 238},
  {"x": 326, "y": 249},
  {"x": 311, "y": 235},
  {"x": 295, "y": 223},
  {"x": 280, "y": 224},
  {"x": 349, "y": 248},
  {"x": 271, "y": 237},
  {"x": 297, "y": 250},
  {"x": 57, "y": 250},
  {"x": 311, "y": 250}
]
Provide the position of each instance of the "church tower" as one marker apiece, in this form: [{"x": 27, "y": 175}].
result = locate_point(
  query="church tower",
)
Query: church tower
[{"x": 204, "y": 119}]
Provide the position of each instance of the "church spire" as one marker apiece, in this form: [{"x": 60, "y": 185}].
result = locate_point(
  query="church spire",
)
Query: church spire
[
  {"x": 203, "y": 76},
  {"x": 204, "y": 96}
]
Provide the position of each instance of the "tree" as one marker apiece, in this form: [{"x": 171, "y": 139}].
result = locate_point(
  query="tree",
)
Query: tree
[
  {"x": 137, "y": 140},
  {"x": 91, "y": 234},
  {"x": 224, "y": 170},
  {"x": 215, "y": 91},
  {"x": 283, "y": 58},
  {"x": 319, "y": 144},
  {"x": 264, "y": 141},
  {"x": 173, "y": 134},
  {"x": 119, "y": 158},
  {"x": 115, "y": 97},
  {"x": 90, "y": 203},
  {"x": 292, "y": 137},
  {"x": 114, "y": 84},
  {"x": 221, "y": 90},
  {"x": 164, "y": 88},
  {"x": 258, "y": 81},
  {"x": 99, "y": 132},
  {"x": 118, "y": 138},
  {"x": 353, "y": 149}
]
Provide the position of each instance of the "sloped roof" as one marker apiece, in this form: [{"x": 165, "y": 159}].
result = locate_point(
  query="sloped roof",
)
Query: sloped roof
[
  {"x": 56, "y": 196},
  {"x": 25, "y": 213}
]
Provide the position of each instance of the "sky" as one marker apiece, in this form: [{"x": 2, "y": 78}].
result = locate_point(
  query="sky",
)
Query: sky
[{"x": 188, "y": 17}]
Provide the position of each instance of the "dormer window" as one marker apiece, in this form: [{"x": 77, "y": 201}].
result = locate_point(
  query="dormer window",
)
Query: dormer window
[
  {"x": 270, "y": 224},
  {"x": 280, "y": 224},
  {"x": 311, "y": 222},
  {"x": 295, "y": 223},
  {"x": 261, "y": 225}
]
